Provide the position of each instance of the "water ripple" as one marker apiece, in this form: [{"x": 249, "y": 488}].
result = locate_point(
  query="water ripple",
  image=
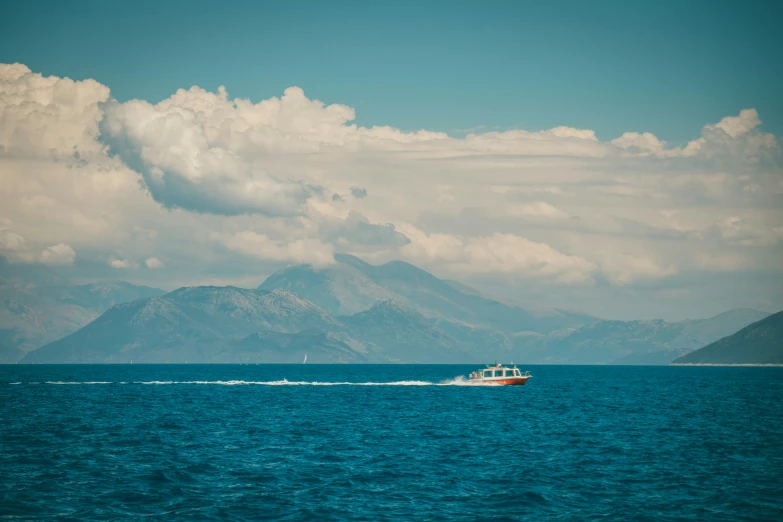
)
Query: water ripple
[{"x": 389, "y": 442}]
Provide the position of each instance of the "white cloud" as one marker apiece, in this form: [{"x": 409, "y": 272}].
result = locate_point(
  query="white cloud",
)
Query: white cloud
[
  {"x": 733, "y": 136},
  {"x": 748, "y": 233},
  {"x": 261, "y": 246},
  {"x": 11, "y": 241},
  {"x": 60, "y": 254},
  {"x": 624, "y": 269},
  {"x": 510, "y": 254},
  {"x": 183, "y": 167},
  {"x": 431, "y": 247},
  {"x": 504, "y": 254},
  {"x": 536, "y": 209},
  {"x": 640, "y": 142},
  {"x": 45, "y": 116},
  {"x": 121, "y": 263},
  {"x": 153, "y": 262},
  {"x": 252, "y": 184},
  {"x": 735, "y": 126}
]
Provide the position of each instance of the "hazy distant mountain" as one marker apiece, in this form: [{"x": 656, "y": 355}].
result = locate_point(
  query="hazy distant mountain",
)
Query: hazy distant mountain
[
  {"x": 211, "y": 324},
  {"x": 189, "y": 324},
  {"x": 37, "y": 305},
  {"x": 8, "y": 353},
  {"x": 319, "y": 347},
  {"x": 759, "y": 343},
  {"x": 632, "y": 342},
  {"x": 352, "y": 312},
  {"x": 352, "y": 285},
  {"x": 405, "y": 335},
  {"x": 28, "y": 320},
  {"x": 103, "y": 296},
  {"x": 339, "y": 289}
]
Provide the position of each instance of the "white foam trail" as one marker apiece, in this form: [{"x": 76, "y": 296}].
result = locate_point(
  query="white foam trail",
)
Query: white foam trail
[
  {"x": 456, "y": 381},
  {"x": 14, "y": 383},
  {"x": 286, "y": 382},
  {"x": 63, "y": 382}
]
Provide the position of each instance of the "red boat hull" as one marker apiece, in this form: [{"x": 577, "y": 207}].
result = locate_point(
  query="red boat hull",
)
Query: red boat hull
[{"x": 515, "y": 381}]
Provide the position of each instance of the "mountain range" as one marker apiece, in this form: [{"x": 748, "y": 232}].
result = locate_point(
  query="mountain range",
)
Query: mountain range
[
  {"x": 37, "y": 305},
  {"x": 351, "y": 286},
  {"x": 351, "y": 311},
  {"x": 759, "y": 343}
]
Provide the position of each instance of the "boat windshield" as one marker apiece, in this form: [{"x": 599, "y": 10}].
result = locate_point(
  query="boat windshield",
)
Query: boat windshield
[{"x": 516, "y": 372}]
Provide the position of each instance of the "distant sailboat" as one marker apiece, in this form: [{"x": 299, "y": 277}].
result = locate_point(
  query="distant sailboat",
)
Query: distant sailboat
[{"x": 305, "y": 359}]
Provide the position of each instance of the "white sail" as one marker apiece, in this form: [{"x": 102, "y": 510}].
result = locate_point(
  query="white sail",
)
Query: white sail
[{"x": 305, "y": 359}]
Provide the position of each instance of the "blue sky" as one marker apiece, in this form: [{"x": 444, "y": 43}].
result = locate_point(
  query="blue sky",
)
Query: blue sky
[{"x": 661, "y": 67}]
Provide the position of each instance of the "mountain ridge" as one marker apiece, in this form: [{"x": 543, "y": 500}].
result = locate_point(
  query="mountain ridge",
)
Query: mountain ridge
[
  {"x": 757, "y": 343},
  {"x": 38, "y": 305},
  {"x": 394, "y": 312},
  {"x": 415, "y": 287}
]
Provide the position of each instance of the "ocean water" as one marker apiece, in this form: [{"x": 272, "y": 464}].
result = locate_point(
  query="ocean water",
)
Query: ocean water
[{"x": 237, "y": 442}]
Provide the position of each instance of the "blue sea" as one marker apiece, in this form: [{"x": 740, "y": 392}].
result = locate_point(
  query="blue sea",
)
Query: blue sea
[{"x": 391, "y": 442}]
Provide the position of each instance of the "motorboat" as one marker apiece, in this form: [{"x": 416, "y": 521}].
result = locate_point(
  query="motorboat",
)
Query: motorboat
[{"x": 499, "y": 374}]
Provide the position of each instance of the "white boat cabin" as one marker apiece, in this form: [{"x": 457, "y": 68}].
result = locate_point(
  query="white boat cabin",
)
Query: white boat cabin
[
  {"x": 498, "y": 372},
  {"x": 506, "y": 372}
]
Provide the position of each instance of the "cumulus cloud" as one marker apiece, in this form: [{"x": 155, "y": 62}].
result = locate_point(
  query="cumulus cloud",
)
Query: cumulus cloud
[
  {"x": 735, "y": 137},
  {"x": 644, "y": 143},
  {"x": 510, "y": 254},
  {"x": 46, "y": 115},
  {"x": 153, "y": 262},
  {"x": 186, "y": 165},
  {"x": 121, "y": 263},
  {"x": 734, "y": 126},
  {"x": 10, "y": 241},
  {"x": 505, "y": 254},
  {"x": 286, "y": 180},
  {"x": 356, "y": 230},
  {"x": 60, "y": 254}
]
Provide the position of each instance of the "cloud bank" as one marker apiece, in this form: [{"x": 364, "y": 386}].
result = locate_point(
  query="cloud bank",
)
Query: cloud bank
[{"x": 210, "y": 183}]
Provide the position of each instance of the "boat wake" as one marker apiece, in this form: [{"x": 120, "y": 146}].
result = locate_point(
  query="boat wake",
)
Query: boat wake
[{"x": 456, "y": 381}]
